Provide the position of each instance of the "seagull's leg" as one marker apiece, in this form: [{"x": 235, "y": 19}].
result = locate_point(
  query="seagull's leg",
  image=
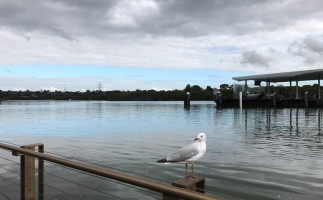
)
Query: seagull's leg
[
  {"x": 193, "y": 170},
  {"x": 186, "y": 169}
]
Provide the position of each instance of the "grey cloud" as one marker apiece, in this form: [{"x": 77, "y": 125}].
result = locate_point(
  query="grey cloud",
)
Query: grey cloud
[
  {"x": 62, "y": 34},
  {"x": 28, "y": 38},
  {"x": 188, "y": 18},
  {"x": 254, "y": 58},
  {"x": 310, "y": 49},
  {"x": 315, "y": 46}
]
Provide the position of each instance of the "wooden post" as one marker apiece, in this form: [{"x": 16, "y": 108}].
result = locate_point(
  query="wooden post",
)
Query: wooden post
[
  {"x": 196, "y": 184},
  {"x": 27, "y": 174},
  {"x": 187, "y": 100}
]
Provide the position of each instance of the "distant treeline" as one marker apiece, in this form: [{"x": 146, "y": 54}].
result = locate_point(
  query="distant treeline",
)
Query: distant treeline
[{"x": 197, "y": 93}]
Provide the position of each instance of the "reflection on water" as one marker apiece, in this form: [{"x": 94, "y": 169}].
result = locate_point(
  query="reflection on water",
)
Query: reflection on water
[{"x": 251, "y": 153}]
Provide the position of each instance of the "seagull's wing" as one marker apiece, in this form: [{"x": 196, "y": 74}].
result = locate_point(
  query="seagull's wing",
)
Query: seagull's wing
[{"x": 184, "y": 153}]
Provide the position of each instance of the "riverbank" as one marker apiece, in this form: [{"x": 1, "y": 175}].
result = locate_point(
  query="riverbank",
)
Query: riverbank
[{"x": 116, "y": 95}]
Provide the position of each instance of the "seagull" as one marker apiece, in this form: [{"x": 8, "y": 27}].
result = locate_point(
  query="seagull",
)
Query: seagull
[{"x": 188, "y": 154}]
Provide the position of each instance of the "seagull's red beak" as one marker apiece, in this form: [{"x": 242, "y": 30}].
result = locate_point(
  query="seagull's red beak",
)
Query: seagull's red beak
[{"x": 196, "y": 139}]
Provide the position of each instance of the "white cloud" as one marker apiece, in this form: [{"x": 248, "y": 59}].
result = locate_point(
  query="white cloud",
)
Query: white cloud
[
  {"x": 82, "y": 84},
  {"x": 52, "y": 89}
]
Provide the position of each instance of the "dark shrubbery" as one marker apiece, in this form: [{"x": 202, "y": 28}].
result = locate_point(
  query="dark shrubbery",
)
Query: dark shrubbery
[{"x": 197, "y": 93}]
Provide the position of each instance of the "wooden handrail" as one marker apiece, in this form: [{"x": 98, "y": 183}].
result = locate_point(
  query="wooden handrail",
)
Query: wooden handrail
[{"x": 152, "y": 185}]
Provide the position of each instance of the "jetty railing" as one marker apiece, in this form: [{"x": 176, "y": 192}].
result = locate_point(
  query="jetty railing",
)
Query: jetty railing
[{"x": 27, "y": 168}]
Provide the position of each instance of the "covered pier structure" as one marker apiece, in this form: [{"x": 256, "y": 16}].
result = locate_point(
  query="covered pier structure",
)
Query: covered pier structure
[{"x": 270, "y": 99}]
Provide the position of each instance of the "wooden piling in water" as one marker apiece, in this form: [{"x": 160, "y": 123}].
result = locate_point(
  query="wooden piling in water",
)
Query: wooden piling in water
[{"x": 187, "y": 100}]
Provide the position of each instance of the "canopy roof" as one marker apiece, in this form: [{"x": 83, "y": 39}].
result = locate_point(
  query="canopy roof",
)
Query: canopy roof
[{"x": 304, "y": 75}]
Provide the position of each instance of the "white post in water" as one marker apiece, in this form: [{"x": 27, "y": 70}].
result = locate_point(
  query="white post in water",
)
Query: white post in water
[{"x": 240, "y": 99}]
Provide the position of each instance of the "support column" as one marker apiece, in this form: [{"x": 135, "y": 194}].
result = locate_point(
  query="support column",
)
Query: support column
[
  {"x": 268, "y": 89},
  {"x": 319, "y": 83},
  {"x": 296, "y": 88},
  {"x": 290, "y": 88},
  {"x": 245, "y": 88}
]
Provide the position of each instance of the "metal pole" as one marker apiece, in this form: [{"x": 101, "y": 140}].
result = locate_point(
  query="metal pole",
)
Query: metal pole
[
  {"x": 297, "y": 88},
  {"x": 155, "y": 186},
  {"x": 245, "y": 88},
  {"x": 290, "y": 88}
]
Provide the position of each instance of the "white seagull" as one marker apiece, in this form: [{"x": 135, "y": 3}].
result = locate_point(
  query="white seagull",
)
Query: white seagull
[{"x": 188, "y": 154}]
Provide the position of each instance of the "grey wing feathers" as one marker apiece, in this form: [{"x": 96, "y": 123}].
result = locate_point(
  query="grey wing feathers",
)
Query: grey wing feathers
[{"x": 183, "y": 154}]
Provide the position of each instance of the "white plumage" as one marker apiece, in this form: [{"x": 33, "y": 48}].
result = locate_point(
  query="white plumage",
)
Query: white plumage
[{"x": 188, "y": 154}]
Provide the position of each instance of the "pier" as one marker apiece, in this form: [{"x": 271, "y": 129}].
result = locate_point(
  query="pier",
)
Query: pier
[{"x": 268, "y": 98}]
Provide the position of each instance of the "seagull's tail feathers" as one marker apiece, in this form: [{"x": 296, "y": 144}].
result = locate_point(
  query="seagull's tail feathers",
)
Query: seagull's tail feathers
[
  {"x": 162, "y": 160},
  {"x": 165, "y": 161}
]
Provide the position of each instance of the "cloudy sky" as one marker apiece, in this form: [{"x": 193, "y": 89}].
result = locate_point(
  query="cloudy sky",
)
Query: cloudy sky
[{"x": 154, "y": 44}]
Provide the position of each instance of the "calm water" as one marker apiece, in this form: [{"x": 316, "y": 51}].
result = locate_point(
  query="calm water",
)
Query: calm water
[{"x": 251, "y": 154}]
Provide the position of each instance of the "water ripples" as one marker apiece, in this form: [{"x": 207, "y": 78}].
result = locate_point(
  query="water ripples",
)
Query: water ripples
[{"x": 251, "y": 153}]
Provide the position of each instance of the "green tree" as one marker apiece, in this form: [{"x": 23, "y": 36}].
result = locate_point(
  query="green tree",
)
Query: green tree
[
  {"x": 196, "y": 88},
  {"x": 187, "y": 88},
  {"x": 208, "y": 88},
  {"x": 224, "y": 86}
]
